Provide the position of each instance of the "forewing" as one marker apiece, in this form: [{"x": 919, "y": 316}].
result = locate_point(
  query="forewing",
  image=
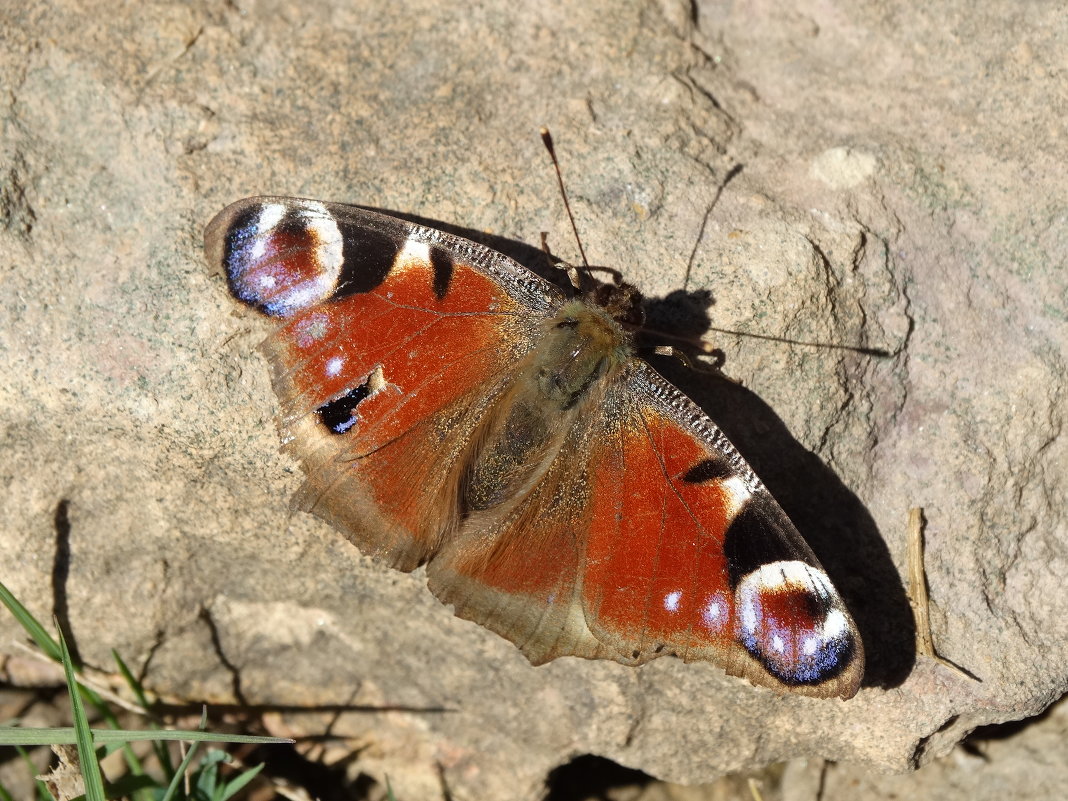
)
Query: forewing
[{"x": 393, "y": 340}]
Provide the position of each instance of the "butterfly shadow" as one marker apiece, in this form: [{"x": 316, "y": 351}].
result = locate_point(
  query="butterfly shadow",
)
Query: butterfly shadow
[{"x": 833, "y": 521}]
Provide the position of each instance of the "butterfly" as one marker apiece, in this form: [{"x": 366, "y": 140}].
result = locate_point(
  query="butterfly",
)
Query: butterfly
[{"x": 450, "y": 408}]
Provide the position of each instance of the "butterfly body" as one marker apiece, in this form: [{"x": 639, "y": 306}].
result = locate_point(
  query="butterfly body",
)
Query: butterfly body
[{"x": 450, "y": 408}]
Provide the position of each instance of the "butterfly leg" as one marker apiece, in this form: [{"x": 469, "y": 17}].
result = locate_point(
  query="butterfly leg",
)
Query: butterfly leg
[{"x": 715, "y": 368}]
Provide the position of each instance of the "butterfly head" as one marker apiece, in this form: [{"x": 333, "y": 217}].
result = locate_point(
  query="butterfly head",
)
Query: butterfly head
[{"x": 621, "y": 301}]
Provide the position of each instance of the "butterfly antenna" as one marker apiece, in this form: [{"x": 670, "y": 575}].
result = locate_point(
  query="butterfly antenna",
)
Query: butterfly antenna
[{"x": 547, "y": 140}]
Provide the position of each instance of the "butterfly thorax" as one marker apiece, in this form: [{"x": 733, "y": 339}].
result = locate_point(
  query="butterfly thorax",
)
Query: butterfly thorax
[
  {"x": 581, "y": 344},
  {"x": 581, "y": 350}
]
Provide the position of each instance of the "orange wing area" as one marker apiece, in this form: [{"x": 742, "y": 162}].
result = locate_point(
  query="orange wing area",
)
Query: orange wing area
[
  {"x": 394, "y": 341},
  {"x": 655, "y": 570},
  {"x": 686, "y": 553},
  {"x": 422, "y": 375}
]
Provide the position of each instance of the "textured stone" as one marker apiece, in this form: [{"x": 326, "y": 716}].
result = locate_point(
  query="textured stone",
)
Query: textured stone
[{"x": 872, "y": 174}]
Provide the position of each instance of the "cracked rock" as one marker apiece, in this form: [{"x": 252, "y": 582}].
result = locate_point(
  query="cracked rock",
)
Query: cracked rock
[{"x": 861, "y": 205}]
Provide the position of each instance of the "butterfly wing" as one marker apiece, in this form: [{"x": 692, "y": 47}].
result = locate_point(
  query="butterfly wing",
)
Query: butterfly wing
[
  {"x": 648, "y": 534},
  {"x": 641, "y": 533},
  {"x": 686, "y": 552},
  {"x": 393, "y": 341},
  {"x": 518, "y": 571}
]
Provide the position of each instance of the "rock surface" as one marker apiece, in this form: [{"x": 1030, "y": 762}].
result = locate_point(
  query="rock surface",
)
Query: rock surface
[{"x": 863, "y": 174}]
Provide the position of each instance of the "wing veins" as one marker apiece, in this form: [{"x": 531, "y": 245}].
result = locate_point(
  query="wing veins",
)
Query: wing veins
[
  {"x": 383, "y": 361},
  {"x": 444, "y": 313},
  {"x": 689, "y": 511},
  {"x": 667, "y": 478}
]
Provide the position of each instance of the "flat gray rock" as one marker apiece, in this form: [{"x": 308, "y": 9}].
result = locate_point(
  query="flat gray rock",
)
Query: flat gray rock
[{"x": 865, "y": 175}]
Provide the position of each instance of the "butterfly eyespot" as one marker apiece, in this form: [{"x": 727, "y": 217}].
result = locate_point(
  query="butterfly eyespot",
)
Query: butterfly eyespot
[
  {"x": 791, "y": 619},
  {"x": 281, "y": 259}
]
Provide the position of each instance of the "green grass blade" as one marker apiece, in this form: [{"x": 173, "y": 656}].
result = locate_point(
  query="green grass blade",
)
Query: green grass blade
[
  {"x": 163, "y": 754},
  {"x": 176, "y": 779},
  {"x": 183, "y": 768},
  {"x": 130, "y": 786},
  {"x": 94, "y": 781},
  {"x": 207, "y": 774},
  {"x": 42, "y": 788},
  {"x": 50, "y": 648},
  {"x": 66, "y": 735},
  {"x": 32, "y": 626},
  {"x": 131, "y": 682},
  {"x": 237, "y": 784}
]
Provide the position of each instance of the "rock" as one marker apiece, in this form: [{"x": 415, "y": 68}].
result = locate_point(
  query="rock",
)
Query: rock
[{"x": 828, "y": 176}]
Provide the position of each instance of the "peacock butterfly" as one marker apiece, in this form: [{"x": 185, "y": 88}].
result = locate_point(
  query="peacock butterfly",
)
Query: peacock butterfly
[{"x": 451, "y": 408}]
